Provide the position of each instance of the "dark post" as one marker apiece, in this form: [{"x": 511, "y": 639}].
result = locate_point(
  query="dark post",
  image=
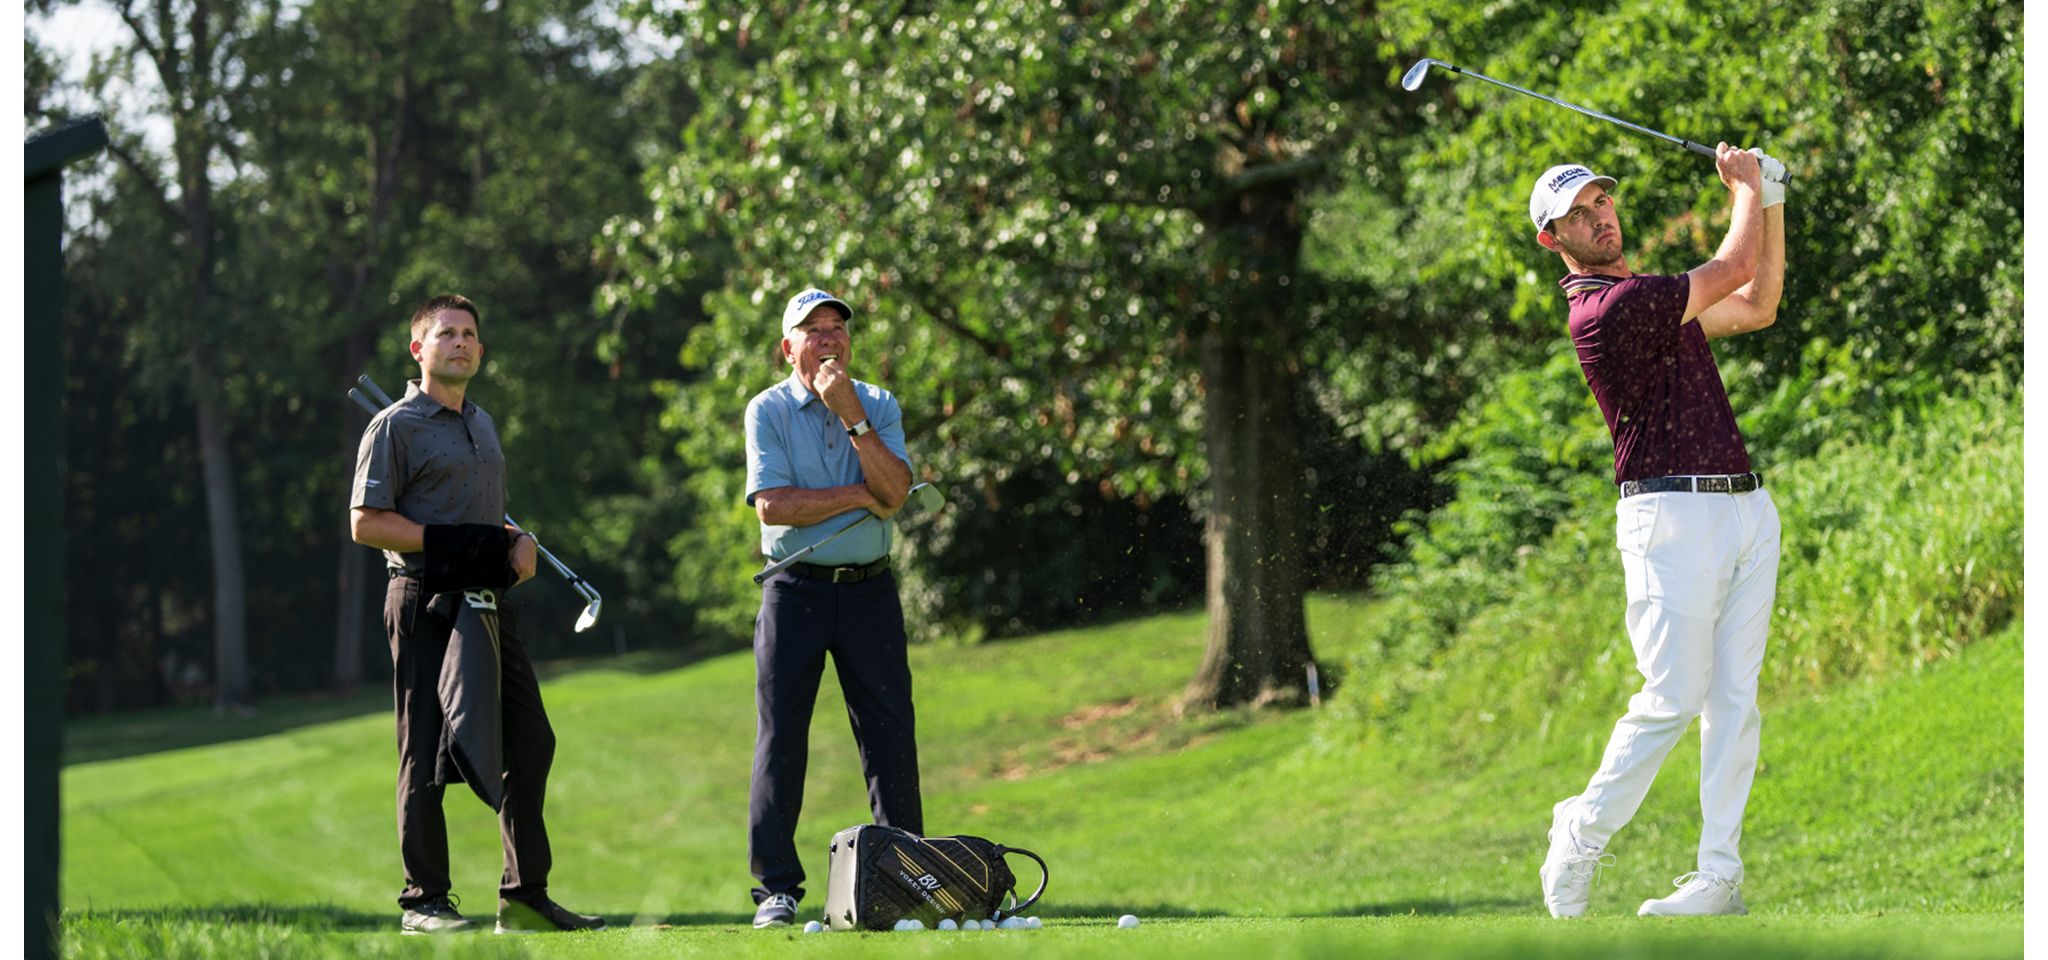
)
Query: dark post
[{"x": 43, "y": 491}]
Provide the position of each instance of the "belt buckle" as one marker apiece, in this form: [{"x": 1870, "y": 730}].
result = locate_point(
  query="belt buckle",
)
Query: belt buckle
[{"x": 836, "y": 571}]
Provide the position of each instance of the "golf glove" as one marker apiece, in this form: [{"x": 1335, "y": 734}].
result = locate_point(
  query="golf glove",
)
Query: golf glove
[{"x": 1774, "y": 177}]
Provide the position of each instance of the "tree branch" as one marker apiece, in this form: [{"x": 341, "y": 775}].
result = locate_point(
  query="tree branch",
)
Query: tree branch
[
  {"x": 156, "y": 187},
  {"x": 150, "y": 50}
]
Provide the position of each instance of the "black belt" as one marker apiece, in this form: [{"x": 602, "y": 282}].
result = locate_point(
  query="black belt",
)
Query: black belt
[
  {"x": 1724, "y": 483},
  {"x": 854, "y": 573}
]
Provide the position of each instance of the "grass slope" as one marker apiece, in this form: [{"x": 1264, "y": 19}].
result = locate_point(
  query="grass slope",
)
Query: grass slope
[{"x": 1886, "y": 820}]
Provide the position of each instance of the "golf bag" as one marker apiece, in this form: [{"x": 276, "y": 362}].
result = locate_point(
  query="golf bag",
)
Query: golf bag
[{"x": 876, "y": 876}]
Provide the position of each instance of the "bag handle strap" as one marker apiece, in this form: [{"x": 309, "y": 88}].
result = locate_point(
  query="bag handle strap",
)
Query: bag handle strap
[{"x": 1044, "y": 877}]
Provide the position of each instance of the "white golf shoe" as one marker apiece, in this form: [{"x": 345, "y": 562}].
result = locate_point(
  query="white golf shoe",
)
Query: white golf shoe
[
  {"x": 1701, "y": 893},
  {"x": 1569, "y": 869}
]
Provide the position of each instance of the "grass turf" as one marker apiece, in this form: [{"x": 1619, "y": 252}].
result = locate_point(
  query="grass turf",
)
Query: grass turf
[{"x": 1886, "y": 819}]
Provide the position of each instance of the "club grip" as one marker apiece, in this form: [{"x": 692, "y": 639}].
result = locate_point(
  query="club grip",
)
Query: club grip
[{"x": 1700, "y": 148}]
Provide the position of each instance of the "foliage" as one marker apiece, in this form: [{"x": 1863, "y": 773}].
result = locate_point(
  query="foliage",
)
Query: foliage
[
  {"x": 1899, "y": 119},
  {"x": 1899, "y": 550},
  {"x": 1031, "y": 208},
  {"x": 372, "y": 155}
]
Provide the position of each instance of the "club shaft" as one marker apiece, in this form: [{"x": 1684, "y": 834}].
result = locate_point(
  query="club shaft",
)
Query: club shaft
[
  {"x": 1699, "y": 148},
  {"x": 582, "y": 586},
  {"x": 785, "y": 563}
]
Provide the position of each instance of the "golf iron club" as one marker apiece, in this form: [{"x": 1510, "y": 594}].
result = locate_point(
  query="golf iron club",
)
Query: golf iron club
[
  {"x": 584, "y": 621},
  {"x": 923, "y": 498},
  {"x": 1412, "y": 80}
]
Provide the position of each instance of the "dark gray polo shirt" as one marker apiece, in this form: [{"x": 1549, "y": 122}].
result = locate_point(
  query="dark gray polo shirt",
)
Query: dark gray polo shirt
[{"x": 431, "y": 465}]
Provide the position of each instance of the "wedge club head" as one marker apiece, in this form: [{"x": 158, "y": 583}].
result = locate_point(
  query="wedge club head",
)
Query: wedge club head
[
  {"x": 923, "y": 498},
  {"x": 588, "y": 618},
  {"x": 1412, "y": 80}
]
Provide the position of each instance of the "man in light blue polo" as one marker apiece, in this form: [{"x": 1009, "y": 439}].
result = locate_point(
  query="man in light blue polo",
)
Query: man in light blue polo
[{"x": 823, "y": 451}]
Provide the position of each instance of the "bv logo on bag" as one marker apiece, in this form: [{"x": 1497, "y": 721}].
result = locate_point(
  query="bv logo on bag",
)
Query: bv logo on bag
[{"x": 879, "y": 875}]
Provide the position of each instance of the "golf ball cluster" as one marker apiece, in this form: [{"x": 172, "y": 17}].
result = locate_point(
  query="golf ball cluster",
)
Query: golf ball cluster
[{"x": 1007, "y": 923}]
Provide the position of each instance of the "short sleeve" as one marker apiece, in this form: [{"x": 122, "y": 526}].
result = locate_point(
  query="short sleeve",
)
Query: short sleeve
[
  {"x": 768, "y": 464},
  {"x": 379, "y": 467},
  {"x": 887, "y": 415}
]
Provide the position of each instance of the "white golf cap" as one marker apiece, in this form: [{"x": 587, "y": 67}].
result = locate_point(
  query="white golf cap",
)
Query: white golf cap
[
  {"x": 801, "y": 305},
  {"x": 1557, "y": 188}
]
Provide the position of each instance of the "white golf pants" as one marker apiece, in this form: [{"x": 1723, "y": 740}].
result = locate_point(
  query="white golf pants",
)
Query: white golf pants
[{"x": 1702, "y": 574}]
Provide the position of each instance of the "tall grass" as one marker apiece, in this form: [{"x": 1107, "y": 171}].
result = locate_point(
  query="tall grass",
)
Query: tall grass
[{"x": 1898, "y": 549}]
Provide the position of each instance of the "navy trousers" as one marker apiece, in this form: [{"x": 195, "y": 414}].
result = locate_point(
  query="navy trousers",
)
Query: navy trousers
[{"x": 861, "y": 626}]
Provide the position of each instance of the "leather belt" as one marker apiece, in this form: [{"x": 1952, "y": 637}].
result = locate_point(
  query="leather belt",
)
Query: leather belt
[
  {"x": 1720, "y": 483},
  {"x": 853, "y": 573}
]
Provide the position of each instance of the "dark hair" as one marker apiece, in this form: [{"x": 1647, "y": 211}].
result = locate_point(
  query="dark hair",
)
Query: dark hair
[{"x": 447, "y": 301}]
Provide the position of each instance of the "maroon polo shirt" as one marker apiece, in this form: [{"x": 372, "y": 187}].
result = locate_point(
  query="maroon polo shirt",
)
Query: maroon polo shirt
[{"x": 1653, "y": 377}]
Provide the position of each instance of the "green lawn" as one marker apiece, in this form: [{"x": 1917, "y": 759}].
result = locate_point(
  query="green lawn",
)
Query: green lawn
[{"x": 1886, "y": 819}]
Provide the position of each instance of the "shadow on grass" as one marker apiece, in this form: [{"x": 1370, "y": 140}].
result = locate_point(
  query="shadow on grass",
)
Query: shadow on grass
[
  {"x": 298, "y": 916},
  {"x": 1434, "y": 908},
  {"x": 1108, "y": 912},
  {"x": 137, "y": 733}
]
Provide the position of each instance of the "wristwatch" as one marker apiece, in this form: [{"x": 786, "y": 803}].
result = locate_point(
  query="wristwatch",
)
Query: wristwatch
[{"x": 859, "y": 428}]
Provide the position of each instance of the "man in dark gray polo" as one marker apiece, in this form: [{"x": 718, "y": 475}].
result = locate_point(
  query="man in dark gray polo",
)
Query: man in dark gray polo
[
  {"x": 430, "y": 492},
  {"x": 823, "y": 451}
]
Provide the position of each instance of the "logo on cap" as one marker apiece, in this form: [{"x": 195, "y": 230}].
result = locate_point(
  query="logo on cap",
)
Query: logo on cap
[{"x": 1573, "y": 173}]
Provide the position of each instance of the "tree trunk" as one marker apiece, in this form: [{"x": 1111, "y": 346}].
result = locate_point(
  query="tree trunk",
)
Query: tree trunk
[
  {"x": 353, "y": 563},
  {"x": 1258, "y": 652},
  {"x": 223, "y": 525}
]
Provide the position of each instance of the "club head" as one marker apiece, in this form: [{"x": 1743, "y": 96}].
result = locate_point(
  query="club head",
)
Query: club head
[
  {"x": 589, "y": 617},
  {"x": 1413, "y": 78},
  {"x": 924, "y": 498}
]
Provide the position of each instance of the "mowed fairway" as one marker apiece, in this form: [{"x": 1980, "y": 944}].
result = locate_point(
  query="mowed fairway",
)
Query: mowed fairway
[{"x": 1886, "y": 820}]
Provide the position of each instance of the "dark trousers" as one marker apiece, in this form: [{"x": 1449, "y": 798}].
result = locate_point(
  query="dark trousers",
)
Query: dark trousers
[
  {"x": 418, "y": 630},
  {"x": 861, "y": 626}
]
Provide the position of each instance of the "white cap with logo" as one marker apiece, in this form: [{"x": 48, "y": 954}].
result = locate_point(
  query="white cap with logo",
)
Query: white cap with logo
[
  {"x": 1557, "y": 188},
  {"x": 801, "y": 305}
]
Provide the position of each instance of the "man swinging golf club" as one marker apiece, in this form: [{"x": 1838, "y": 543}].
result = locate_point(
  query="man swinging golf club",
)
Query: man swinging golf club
[
  {"x": 824, "y": 452},
  {"x": 1697, "y": 532}
]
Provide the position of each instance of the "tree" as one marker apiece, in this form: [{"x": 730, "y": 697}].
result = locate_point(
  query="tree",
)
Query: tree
[
  {"x": 367, "y": 155},
  {"x": 187, "y": 52},
  {"x": 1076, "y": 234}
]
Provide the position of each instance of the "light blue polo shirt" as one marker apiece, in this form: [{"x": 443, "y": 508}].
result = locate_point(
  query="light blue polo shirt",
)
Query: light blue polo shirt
[{"x": 793, "y": 440}]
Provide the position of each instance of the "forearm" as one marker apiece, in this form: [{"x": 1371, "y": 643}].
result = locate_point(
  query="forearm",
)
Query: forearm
[
  {"x": 1734, "y": 265},
  {"x": 386, "y": 530},
  {"x": 801, "y": 507},
  {"x": 887, "y": 477},
  {"x": 1764, "y": 292},
  {"x": 1741, "y": 247}
]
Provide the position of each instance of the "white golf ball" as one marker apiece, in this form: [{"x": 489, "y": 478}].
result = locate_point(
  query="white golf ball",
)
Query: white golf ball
[
  {"x": 948, "y": 924},
  {"x": 970, "y": 924},
  {"x": 910, "y": 923},
  {"x": 813, "y": 927},
  {"x": 1033, "y": 922},
  {"x": 1015, "y": 923},
  {"x": 1127, "y": 922}
]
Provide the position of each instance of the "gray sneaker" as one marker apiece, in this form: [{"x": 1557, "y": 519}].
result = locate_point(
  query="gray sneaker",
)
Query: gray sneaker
[
  {"x": 777, "y": 910},
  {"x": 434, "y": 916},
  {"x": 1570, "y": 868}
]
